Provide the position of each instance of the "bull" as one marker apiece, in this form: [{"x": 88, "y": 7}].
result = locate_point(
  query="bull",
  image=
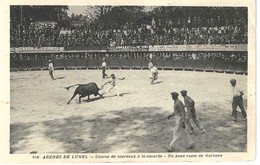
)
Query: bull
[{"x": 84, "y": 90}]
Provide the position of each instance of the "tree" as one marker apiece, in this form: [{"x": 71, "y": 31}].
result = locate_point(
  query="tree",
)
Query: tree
[
  {"x": 96, "y": 12},
  {"x": 25, "y": 13}
]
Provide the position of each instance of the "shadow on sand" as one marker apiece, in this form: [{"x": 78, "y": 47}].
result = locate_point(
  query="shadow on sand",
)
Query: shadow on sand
[
  {"x": 57, "y": 78},
  {"x": 121, "y": 94},
  {"x": 17, "y": 133},
  {"x": 136, "y": 129},
  {"x": 98, "y": 98},
  {"x": 92, "y": 99},
  {"x": 158, "y": 82}
]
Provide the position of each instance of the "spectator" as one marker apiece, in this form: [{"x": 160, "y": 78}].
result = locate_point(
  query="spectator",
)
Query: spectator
[{"x": 207, "y": 28}]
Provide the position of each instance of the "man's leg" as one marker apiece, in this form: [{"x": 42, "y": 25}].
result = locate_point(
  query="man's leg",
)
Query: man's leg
[
  {"x": 195, "y": 120},
  {"x": 187, "y": 121},
  {"x": 241, "y": 106},
  {"x": 234, "y": 107},
  {"x": 108, "y": 89},
  {"x": 189, "y": 141},
  {"x": 103, "y": 72},
  {"x": 117, "y": 91},
  {"x": 155, "y": 77},
  {"x": 51, "y": 74},
  {"x": 152, "y": 82},
  {"x": 176, "y": 133},
  {"x": 188, "y": 116},
  {"x": 149, "y": 73}
]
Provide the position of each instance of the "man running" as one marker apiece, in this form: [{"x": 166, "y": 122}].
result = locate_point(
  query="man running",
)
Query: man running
[
  {"x": 112, "y": 84},
  {"x": 154, "y": 73},
  {"x": 191, "y": 112},
  {"x": 179, "y": 131}
]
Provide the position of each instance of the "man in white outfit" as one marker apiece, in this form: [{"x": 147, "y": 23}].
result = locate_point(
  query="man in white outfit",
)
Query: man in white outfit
[
  {"x": 150, "y": 66},
  {"x": 51, "y": 68},
  {"x": 154, "y": 73},
  {"x": 179, "y": 132},
  {"x": 112, "y": 84}
]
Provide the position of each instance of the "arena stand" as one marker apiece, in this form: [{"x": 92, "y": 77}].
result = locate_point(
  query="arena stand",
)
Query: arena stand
[
  {"x": 211, "y": 39},
  {"x": 208, "y": 58},
  {"x": 164, "y": 26}
]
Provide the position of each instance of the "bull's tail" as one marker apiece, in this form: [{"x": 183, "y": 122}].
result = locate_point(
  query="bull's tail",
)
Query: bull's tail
[{"x": 71, "y": 86}]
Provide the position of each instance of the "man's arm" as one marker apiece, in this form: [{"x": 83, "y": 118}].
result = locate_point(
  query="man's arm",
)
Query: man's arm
[
  {"x": 241, "y": 92},
  {"x": 106, "y": 83},
  {"x": 121, "y": 78},
  {"x": 182, "y": 110},
  {"x": 190, "y": 101},
  {"x": 172, "y": 115}
]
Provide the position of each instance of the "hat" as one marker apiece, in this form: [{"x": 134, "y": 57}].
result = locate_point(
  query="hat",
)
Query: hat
[
  {"x": 174, "y": 94},
  {"x": 233, "y": 81},
  {"x": 49, "y": 60},
  {"x": 184, "y": 92}
]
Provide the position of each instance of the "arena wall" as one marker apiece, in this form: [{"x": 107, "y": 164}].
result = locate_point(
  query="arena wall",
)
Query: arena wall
[{"x": 134, "y": 62}]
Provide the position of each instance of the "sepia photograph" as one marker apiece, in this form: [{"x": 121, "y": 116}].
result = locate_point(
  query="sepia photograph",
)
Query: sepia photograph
[{"x": 130, "y": 80}]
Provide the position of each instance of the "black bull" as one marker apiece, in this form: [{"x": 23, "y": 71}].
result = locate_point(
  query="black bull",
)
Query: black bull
[{"x": 85, "y": 90}]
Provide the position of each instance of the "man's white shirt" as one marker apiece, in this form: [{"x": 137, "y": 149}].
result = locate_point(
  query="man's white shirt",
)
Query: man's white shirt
[
  {"x": 104, "y": 64},
  {"x": 153, "y": 70},
  {"x": 50, "y": 66},
  {"x": 236, "y": 91}
]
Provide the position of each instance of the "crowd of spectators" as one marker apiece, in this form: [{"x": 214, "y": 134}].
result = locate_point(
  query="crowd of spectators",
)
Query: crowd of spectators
[
  {"x": 144, "y": 56},
  {"x": 84, "y": 36},
  {"x": 217, "y": 29}
]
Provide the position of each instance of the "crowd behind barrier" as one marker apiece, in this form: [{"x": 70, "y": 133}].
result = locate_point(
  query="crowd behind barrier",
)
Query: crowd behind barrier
[
  {"x": 82, "y": 37},
  {"x": 201, "y": 61},
  {"x": 218, "y": 26}
]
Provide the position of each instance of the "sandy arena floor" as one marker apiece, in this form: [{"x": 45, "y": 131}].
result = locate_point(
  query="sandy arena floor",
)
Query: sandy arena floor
[{"x": 42, "y": 122}]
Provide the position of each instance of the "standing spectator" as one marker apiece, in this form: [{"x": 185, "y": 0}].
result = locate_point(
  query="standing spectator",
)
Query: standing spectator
[
  {"x": 194, "y": 56},
  {"x": 51, "y": 69},
  {"x": 237, "y": 100},
  {"x": 179, "y": 131},
  {"x": 104, "y": 75}
]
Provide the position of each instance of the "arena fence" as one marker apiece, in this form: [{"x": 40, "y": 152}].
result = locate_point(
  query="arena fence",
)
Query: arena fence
[
  {"x": 162, "y": 64},
  {"x": 41, "y": 63}
]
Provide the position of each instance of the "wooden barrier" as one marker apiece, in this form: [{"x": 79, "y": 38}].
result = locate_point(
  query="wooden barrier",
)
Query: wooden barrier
[{"x": 192, "y": 65}]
